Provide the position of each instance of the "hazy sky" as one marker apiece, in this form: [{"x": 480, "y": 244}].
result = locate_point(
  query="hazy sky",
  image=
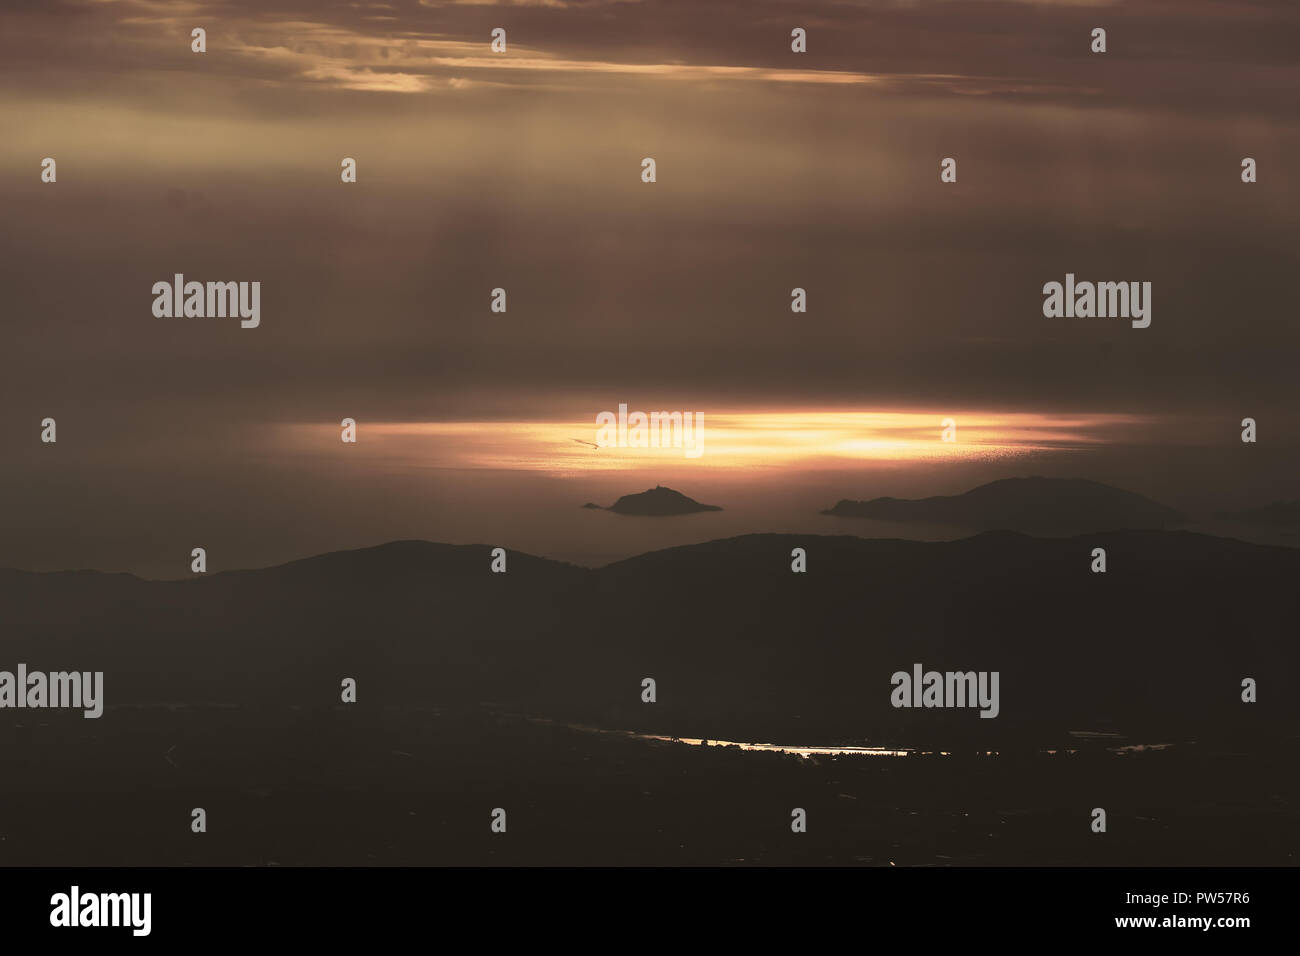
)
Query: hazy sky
[{"x": 522, "y": 170}]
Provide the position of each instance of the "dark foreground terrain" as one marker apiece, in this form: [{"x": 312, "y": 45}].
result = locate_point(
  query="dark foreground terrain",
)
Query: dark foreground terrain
[
  {"x": 223, "y": 692},
  {"x": 358, "y": 785}
]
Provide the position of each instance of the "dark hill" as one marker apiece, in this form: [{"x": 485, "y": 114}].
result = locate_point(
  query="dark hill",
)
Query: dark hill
[
  {"x": 1279, "y": 514},
  {"x": 1052, "y": 506},
  {"x": 740, "y": 647},
  {"x": 659, "y": 502}
]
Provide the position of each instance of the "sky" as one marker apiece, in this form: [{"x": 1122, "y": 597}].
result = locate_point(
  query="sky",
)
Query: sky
[{"x": 522, "y": 170}]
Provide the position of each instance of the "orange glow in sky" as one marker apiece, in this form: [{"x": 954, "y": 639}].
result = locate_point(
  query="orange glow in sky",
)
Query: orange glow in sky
[{"x": 735, "y": 440}]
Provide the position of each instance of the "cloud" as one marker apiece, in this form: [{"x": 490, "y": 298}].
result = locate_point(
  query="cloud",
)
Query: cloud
[{"x": 1012, "y": 49}]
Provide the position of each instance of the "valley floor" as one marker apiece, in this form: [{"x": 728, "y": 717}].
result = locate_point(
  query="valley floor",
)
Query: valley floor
[{"x": 348, "y": 786}]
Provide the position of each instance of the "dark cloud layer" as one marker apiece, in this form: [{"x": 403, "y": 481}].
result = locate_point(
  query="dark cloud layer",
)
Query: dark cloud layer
[{"x": 1201, "y": 56}]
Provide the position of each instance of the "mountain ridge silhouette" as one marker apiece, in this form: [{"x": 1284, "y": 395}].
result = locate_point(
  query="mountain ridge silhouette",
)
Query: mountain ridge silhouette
[
  {"x": 741, "y": 647},
  {"x": 1034, "y": 505}
]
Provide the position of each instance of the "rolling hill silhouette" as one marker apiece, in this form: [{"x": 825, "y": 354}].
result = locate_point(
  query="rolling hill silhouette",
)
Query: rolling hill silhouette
[
  {"x": 1052, "y": 506},
  {"x": 740, "y": 647},
  {"x": 1283, "y": 514}
]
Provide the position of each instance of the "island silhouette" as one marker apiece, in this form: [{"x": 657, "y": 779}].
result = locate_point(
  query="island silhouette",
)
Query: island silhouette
[
  {"x": 1036, "y": 505},
  {"x": 1281, "y": 514},
  {"x": 655, "y": 502}
]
